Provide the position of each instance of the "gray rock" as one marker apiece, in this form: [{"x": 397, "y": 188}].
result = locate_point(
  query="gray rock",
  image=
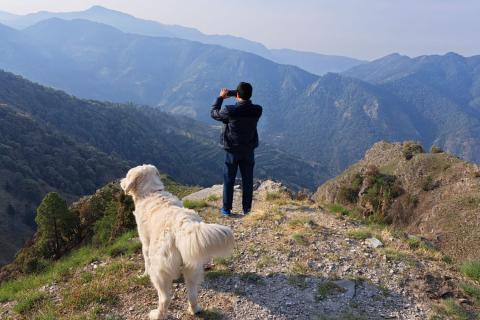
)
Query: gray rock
[
  {"x": 373, "y": 243},
  {"x": 349, "y": 287},
  {"x": 215, "y": 190},
  {"x": 269, "y": 186}
]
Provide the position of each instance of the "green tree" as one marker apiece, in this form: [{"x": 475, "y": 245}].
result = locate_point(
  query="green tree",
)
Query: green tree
[{"x": 56, "y": 225}]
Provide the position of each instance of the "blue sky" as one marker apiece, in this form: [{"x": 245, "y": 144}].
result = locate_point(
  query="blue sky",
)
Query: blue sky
[{"x": 359, "y": 28}]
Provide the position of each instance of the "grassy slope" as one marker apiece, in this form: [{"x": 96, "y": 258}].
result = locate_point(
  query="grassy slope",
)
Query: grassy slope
[{"x": 302, "y": 238}]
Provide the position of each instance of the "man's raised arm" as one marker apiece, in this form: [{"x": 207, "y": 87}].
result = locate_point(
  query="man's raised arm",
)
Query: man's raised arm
[{"x": 217, "y": 112}]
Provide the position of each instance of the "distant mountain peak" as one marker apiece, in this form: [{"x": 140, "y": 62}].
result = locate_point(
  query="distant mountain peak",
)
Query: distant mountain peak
[
  {"x": 107, "y": 12},
  {"x": 453, "y": 54},
  {"x": 98, "y": 8},
  {"x": 394, "y": 56}
]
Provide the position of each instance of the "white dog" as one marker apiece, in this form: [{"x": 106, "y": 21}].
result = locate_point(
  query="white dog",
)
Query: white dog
[{"x": 174, "y": 239}]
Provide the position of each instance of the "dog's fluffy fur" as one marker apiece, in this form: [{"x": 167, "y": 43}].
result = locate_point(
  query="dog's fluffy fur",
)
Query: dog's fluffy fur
[{"x": 174, "y": 239}]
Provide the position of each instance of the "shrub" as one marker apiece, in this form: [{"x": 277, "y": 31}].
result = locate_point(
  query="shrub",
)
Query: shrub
[
  {"x": 410, "y": 149},
  {"x": 302, "y": 195},
  {"x": 271, "y": 196},
  {"x": 97, "y": 292},
  {"x": 360, "y": 234},
  {"x": 103, "y": 227},
  {"x": 297, "y": 280},
  {"x": 300, "y": 222},
  {"x": 447, "y": 259},
  {"x": 33, "y": 264},
  {"x": 326, "y": 289},
  {"x": 124, "y": 246},
  {"x": 415, "y": 242},
  {"x": 336, "y": 208},
  {"x": 412, "y": 200},
  {"x": 223, "y": 261},
  {"x": 299, "y": 239},
  {"x": 472, "y": 290},
  {"x": 216, "y": 274},
  {"x": 450, "y": 309},
  {"x": 435, "y": 149},
  {"x": 265, "y": 261},
  {"x": 29, "y": 301},
  {"x": 213, "y": 197},
  {"x": 213, "y": 314},
  {"x": 428, "y": 184},
  {"x": 471, "y": 269},
  {"x": 252, "y": 277},
  {"x": 195, "y": 204},
  {"x": 347, "y": 195},
  {"x": 381, "y": 190}
]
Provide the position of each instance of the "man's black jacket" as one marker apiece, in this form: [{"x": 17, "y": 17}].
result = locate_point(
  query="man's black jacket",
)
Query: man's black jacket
[{"x": 239, "y": 124}]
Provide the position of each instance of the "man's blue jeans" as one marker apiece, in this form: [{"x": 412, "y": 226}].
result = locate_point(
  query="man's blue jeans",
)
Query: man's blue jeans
[{"x": 245, "y": 161}]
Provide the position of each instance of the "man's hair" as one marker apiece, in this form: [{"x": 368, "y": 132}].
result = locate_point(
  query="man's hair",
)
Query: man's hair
[{"x": 244, "y": 90}]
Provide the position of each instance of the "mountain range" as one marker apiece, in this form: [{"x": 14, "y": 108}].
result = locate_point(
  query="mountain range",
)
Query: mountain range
[
  {"x": 340, "y": 116},
  {"x": 52, "y": 141},
  {"x": 443, "y": 92},
  {"x": 312, "y": 62}
]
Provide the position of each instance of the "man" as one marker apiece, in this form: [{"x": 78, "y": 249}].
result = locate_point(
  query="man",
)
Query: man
[{"x": 239, "y": 138}]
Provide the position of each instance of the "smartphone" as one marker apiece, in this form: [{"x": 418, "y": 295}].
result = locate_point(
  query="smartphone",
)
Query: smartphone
[{"x": 232, "y": 93}]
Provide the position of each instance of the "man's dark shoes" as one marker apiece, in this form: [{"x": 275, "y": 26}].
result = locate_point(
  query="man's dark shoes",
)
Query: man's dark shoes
[
  {"x": 225, "y": 212},
  {"x": 245, "y": 212}
]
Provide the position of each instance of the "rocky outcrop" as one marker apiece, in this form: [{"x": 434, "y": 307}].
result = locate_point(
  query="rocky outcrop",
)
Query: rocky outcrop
[{"x": 435, "y": 195}]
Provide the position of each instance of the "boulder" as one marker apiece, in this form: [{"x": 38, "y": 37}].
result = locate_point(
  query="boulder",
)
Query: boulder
[
  {"x": 373, "y": 243},
  {"x": 269, "y": 186},
  {"x": 215, "y": 190}
]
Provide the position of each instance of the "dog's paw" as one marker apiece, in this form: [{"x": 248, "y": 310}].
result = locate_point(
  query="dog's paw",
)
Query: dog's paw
[
  {"x": 194, "y": 310},
  {"x": 156, "y": 315}
]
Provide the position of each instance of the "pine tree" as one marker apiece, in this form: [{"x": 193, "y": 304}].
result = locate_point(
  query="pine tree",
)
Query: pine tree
[{"x": 56, "y": 225}]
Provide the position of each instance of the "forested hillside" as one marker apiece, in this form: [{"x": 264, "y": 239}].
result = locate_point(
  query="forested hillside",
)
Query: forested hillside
[
  {"x": 51, "y": 141},
  {"x": 34, "y": 159}
]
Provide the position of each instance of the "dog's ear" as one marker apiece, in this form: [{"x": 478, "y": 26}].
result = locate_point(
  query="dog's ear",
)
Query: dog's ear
[{"x": 130, "y": 184}]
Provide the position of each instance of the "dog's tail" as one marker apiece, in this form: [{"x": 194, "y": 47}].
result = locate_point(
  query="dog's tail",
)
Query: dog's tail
[{"x": 199, "y": 242}]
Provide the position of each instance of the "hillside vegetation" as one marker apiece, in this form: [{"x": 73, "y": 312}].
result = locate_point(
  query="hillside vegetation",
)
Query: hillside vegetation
[
  {"x": 434, "y": 195},
  {"x": 292, "y": 260},
  {"x": 35, "y": 159}
]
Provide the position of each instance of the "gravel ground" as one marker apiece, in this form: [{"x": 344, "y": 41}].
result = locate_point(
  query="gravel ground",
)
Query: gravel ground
[
  {"x": 295, "y": 260},
  {"x": 272, "y": 276}
]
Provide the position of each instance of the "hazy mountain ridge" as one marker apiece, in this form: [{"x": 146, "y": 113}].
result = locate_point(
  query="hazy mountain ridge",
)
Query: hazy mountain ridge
[
  {"x": 341, "y": 117},
  {"x": 449, "y": 85},
  {"x": 312, "y": 62}
]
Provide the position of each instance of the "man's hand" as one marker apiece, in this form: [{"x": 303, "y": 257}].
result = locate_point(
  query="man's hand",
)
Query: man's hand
[{"x": 224, "y": 93}]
